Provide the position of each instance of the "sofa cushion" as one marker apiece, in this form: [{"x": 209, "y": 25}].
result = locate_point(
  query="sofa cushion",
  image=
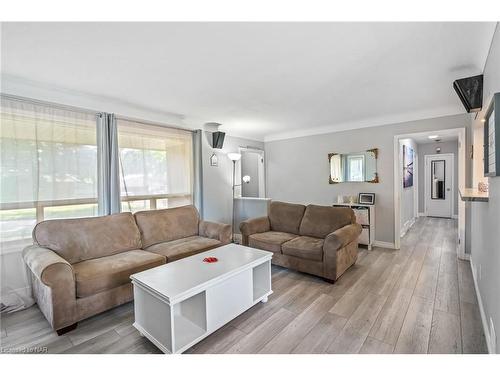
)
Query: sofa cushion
[
  {"x": 97, "y": 275},
  {"x": 304, "y": 247},
  {"x": 167, "y": 225},
  {"x": 285, "y": 217},
  {"x": 320, "y": 221},
  {"x": 270, "y": 241},
  {"x": 76, "y": 240},
  {"x": 184, "y": 247}
]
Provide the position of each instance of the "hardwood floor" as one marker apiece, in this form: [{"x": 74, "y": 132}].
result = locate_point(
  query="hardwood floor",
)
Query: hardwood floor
[{"x": 419, "y": 299}]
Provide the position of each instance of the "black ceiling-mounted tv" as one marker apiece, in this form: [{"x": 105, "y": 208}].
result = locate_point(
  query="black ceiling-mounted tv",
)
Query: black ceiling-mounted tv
[
  {"x": 470, "y": 92},
  {"x": 218, "y": 139}
]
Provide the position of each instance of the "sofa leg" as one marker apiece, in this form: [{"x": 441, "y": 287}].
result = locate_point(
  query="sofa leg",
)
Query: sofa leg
[
  {"x": 329, "y": 281},
  {"x": 67, "y": 329}
]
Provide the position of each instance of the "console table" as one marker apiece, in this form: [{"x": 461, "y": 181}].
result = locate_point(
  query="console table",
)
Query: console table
[{"x": 365, "y": 215}]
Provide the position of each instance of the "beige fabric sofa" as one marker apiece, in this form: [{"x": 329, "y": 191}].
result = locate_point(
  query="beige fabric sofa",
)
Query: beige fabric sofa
[
  {"x": 319, "y": 240},
  {"x": 81, "y": 267}
]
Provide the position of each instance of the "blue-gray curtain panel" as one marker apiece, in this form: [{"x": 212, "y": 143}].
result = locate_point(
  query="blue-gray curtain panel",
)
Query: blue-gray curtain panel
[
  {"x": 108, "y": 187},
  {"x": 198, "y": 171}
]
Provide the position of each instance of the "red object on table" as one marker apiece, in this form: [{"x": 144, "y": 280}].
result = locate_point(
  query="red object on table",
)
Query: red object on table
[{"x": 210, "y": 260}]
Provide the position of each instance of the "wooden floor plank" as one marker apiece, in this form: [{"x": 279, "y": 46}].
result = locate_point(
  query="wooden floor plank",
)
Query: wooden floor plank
[
  {"x": 374, "y": 346},
  {"x": 299, "y": 327},
  {"x": 447, "y": 299},
  {"x": 390, "y": 320},
  {"x": 415, "y": 332},
  {"x": 219, "y": 341},
  {"x": 322, "y": 335},
  {"x": 445, "y": 334},
  {"x": 257, "y": 339},
  {"x": 473, "y": 339},
  {"x": 466, "y": 288}
]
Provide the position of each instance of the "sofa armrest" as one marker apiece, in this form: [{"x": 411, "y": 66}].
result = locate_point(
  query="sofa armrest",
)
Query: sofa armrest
[
  {"x": 252, "y": 226},
  {"x": 342, "y": 236},
  {"x": 54, "y": 285},
  {"x": 333, "y": 243},
  {"x": 217, "y": 231}
]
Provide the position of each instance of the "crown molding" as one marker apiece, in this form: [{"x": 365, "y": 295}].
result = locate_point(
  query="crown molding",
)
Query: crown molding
[{"x": 366, "y": 123}]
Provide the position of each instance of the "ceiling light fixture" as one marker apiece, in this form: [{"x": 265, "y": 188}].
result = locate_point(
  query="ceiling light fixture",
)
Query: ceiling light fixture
[{"x": 433, "y": 136}]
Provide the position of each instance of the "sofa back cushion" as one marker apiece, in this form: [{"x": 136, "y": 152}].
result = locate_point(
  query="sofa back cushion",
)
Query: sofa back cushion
[
  {"x": 286, "y": 217},
  {"x": 320, "y": 221},
  {"x": 167, "y": 225},
  {"x": 81, "y": 239}
]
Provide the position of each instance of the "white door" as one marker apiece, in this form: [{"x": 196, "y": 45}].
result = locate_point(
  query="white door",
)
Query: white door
[{"x": 439, "y": 187}]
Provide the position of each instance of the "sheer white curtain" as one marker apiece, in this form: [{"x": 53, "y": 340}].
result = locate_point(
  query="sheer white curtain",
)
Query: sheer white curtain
[
  {"x": 156, "y": 166},
  {"x": 48, "y": 164},
  {"x": 48, "y": 167}
]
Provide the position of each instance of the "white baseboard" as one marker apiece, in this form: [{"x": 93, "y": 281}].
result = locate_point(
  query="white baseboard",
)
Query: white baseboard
[
  {"x": 387, "y": 245},
  {"x": 486, "y": 328},
  {"x": 464, "y": 257},
  {"x": 423, "y": 214},
  {"x": 407, "y": 226}
]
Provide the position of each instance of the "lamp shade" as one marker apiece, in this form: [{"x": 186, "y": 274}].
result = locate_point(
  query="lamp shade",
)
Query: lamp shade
[{"x": 234, "y": 156}]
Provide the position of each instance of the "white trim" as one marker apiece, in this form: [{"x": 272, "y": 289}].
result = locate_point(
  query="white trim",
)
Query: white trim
[
  {"x": 397, "y": 192},
  {"x": 484, "y": 321},
  {"x": 387, "y": 245},
  {"x": 427, "y": 158},
  {"x": 407, "y": 226},
  {"x": 454, "y": 216},
  {"x": 367, "y": 123},
  {"x": 421, "y": 214}
]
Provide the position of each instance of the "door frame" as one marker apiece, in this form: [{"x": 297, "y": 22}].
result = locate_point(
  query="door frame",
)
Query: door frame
[
  {"x": 426, "y": 182},
  {"x": 462, "y": 144}
]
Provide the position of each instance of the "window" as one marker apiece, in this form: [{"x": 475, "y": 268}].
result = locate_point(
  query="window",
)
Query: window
[
  {"x": 355, "y": 168},
  {"x": 48, "y": 163},
  {"x": 155, "y": 166}
]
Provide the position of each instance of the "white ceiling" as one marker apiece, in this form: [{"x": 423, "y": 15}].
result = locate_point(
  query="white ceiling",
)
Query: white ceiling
[{"x": 260, "y": 80}]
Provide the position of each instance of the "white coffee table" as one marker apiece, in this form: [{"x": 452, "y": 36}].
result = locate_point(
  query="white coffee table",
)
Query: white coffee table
[{"x": 180, "y": 303}]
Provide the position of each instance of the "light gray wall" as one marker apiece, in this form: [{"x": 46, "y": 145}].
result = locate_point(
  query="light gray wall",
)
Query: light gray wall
[
  {"x": 297, "y": 168},
  {"x": 217, "y": 181},
  {"x": 407, "y": 206},
  {"x": 485, "y": 243},
  {"x": 430, "y": 149},
  {"x": 250, "y": 166}
]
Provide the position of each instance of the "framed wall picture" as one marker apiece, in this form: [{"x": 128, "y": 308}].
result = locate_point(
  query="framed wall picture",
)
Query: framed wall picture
[
  {"x": 492, "y": 139},
  {"x": 214, "y": 161},
  {"x": 407, "y": 166},
  {"x": 366, "y": 198}
]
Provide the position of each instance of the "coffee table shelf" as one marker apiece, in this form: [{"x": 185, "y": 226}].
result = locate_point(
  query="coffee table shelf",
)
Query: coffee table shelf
[{"x": 180, "y": 303}]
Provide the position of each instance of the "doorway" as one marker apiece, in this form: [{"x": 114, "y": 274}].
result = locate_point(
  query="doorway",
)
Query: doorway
[
  {"x": 439, "y": 189},
  {"x": 460, "y": 160}
]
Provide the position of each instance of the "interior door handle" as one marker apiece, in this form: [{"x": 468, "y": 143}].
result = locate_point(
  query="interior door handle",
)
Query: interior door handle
[{"x": 448, "y": 189}]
